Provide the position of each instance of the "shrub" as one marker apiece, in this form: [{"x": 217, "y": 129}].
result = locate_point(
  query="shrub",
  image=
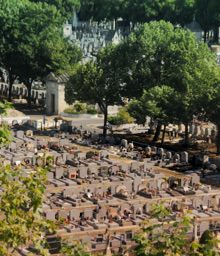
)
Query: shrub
[
  {"x": 81, "y": 108},
  {"x": 91, "y": 110},
  {"x": 123, "y": 117}
]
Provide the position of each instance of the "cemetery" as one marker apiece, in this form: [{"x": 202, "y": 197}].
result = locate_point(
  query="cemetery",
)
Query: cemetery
[
  {"x": 99, "y": 192},
  {"x": 109, "y": 127}
]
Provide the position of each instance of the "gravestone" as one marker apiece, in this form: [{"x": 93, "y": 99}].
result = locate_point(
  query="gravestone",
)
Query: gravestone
[
  {"x": 207, "y": 132},
  {"x": 185, "y": 157},
  {"x": 148, "y": 150},
  {"x": 169, "y": 155},
  {"x": 104, "y": 154},
  {"x": 176, "y": 158},
  {"x": 197, "y": 130},
  {"x": 20, "y": 134},
  {"x": 124, "y": 143},
  {"x": 29, "y": 133},
  {"x": 160, "y": 152},
  {"x": 83, "y": 172}
]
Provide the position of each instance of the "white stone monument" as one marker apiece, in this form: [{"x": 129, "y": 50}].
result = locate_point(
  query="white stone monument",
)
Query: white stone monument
[{"x": 55, "y": 94}]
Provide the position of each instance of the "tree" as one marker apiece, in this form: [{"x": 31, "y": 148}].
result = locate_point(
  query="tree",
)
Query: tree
[
  {"x": 175, "y": 11},
  {"x": 159, "y": 103},
  {"x": 167, "y": 236},
  {"x": 97, "y": 82},
  {"x": 42, "y": 47},
  {"x": 22, "y": 224},
  {"x": 9, "y": 17},
  {"x": 76, "y": 249},
  {"x": 208, "y": 16},
  {"x": 159, "y": 54},
  {"x": 100, "y": 10},
  {"x": 65, "y": 7},
  {"x": 212, "y": 109},
  {"x": 5, "y": 133},
  {"x": 36, "y": 47},
  {"x": 138, "y": 11}
]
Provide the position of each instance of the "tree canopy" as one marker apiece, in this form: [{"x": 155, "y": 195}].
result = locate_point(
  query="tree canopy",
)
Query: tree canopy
[
  {"x": 97, "y": 82},
  {"x": 21, "y": 200},
  {"x": 176, "y": 11},
  {"x": 32, "y": 48},
  {"x": 159, "y": 54},
  {"x": 65, "y": 7}
]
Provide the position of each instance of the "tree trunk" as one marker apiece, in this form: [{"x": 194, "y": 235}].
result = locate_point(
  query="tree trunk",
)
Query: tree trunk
[
  {"x": 104, "y": 108},
  {"x": 10, "y": 84},
  {"x": 216, "y": 35},
  {"x": 218, "y": 139},
  {"x": 29, "y": 94},
  {"x": 205, "y": 36},
  {"x": 157, "y": 133},
  {"x": 163, "y": 136},
  {"x": 105, "y": 122},
  {"x": 186, "y": 143}
]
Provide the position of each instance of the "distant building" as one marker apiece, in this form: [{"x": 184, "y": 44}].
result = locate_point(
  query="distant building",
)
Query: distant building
[
  {"x": 92, "y": 36},
  {"x": 55, "y": 94},
  {"x": 195, "y": 27}
]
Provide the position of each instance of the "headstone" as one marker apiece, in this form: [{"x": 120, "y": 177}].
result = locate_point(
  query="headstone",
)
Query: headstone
[
  {"x": 83, "y": 171},
  {"x": 154, "y": 150},
  {"x": 124, "y": 143},
  {"x": 148, "y": 150},
  {"x": 207, "y": 132},
  {"x": 202, "y": 131},
  {"x": 29, "y": 133},
  {"x": 169, "y": 155},
  {"x": 131, "y": 146},
  {"x": 160, "y": 152},
  {"x": 20, "y": 134},
  {"x": 197, "y": 130},
  {"x": 59, "y": 172},
  {"x": 176, "y": 158},
  {"x": 104, "y": 154},
  {"x": 185, "y": 157}
]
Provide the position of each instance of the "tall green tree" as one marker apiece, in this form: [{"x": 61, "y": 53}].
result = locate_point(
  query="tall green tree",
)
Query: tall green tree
[
  {"x": 97, "y": 82},
  {"x": 22, "y": 224},
  {"x": 159, "y": 54},
  {"x": 213, "y": 109},
  {"x": 208, "y": 16},
  {"x": 65, "y": 7},
  {"x": 160, "y": 103},
  {"x": 32, "y": 48},
  {"x": 9, "y": 17},
  {"x": 138, "y": 11},
  {"x": 42, "y": 47}
]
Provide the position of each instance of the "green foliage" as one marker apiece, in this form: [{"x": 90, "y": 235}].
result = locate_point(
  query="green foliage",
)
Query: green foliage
[
  {"x": 4, "y": 107},
  {"x": 122, "y": 117},
  {"x": 75, "y": 249},
  {"x": 21, "y": 200},
  {"x": 171, "y": 73},
  {"x": 37, "y": 44},
  {"x": 166, "y": 235},
  {"x": 177, "y": 11},
  {"x": 160, "y": 103},
  {"x": 208, "y": 14},
  {"x": 5, "y": 135},
  {"x": 97, "y": 82},
  {"x": 65, "y": 7},
  {"x": 81, "y": 108}
]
